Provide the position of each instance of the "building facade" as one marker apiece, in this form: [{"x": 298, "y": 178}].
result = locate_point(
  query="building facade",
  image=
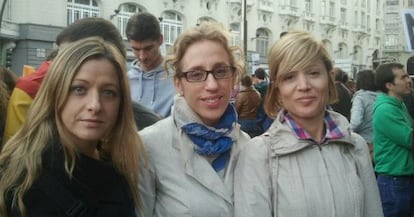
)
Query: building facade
[
  {"x": 352, "y": 30},
  {"x": 395, "y": 41}
]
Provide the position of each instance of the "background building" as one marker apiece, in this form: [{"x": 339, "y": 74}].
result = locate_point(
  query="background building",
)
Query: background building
[
  {"x": 352, "y": 30},
  {"x": 395, "y": 44}
]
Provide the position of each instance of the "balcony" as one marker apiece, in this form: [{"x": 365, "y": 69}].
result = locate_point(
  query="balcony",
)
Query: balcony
[
  {"x": 343, "y": 24},
  {"x": 393, "y": 48},
  {"x": 392, "y": 9},
  {"x": 358, "y": 28},
  {"x": 288, "y": 10},
  {"x": 308, "y": 16},
  {"x": 328, "y": 20},
  {"x": 265, "y": 6}
]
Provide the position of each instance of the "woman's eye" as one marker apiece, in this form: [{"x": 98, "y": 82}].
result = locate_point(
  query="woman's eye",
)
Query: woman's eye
[
  {"x": 110, "y": 93},
  {"x": 287, "y": 77},
  {"x": 77, "y": 90},
  {"x": 315, "y": 73},
  {"x": 196, "y": 74}
]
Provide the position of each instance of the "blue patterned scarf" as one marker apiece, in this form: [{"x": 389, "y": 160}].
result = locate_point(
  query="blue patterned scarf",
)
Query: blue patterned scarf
[{"x": 213, "y": 141}]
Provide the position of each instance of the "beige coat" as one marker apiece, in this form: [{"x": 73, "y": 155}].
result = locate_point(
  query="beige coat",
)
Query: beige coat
[
  {"x": 335, "y": 179},
  {"x": 179, "y": 182}
]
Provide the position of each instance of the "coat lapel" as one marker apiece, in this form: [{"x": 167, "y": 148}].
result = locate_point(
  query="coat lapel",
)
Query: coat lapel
[{"x": 200, "y": 169}]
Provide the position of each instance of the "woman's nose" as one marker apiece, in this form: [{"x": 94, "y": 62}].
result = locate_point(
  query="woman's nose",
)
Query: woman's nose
[
  {"x": 94, "y": 102},
  {"x": 211, "y": 82}
]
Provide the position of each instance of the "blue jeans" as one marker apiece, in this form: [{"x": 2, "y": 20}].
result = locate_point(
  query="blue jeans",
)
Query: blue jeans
[{"x": 397, "y": 195}]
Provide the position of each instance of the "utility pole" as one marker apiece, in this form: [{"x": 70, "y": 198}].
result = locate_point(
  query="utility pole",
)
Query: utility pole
[{"x": 244, "y": 29}]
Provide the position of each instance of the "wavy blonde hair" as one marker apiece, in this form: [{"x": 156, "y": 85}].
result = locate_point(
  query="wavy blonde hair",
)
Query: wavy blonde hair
[
  {"x": 4, "y": 99},
  {"x": 21, "y": 158},
  {"x": 295, "y": 50},
  {"x": 206, "y": 31}
]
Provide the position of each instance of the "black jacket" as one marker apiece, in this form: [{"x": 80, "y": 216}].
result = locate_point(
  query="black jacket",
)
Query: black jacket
[
  {"x": 100, "y": 190},
  {"x": 344, "y": 104},
  {"x": 143, "y": 116}
]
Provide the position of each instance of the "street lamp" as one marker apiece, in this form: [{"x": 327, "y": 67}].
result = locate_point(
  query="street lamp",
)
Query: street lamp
[{"x": 244, "y": 28}]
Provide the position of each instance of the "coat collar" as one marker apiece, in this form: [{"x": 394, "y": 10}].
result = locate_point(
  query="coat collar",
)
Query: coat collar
[
  {"x": 197, "y": 166},
  {"x": 284, "y": 142}
]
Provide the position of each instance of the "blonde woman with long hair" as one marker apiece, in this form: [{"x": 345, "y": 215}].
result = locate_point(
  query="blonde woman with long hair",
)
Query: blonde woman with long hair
[{"x": 78, "y": 152}]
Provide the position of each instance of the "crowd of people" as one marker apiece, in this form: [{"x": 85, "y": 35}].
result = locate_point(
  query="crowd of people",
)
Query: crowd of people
[{"x": 192, "y": 134}]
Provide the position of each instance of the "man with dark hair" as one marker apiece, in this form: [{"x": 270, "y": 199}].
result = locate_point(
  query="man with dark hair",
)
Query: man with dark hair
[
  {"x": 150, "y": 85},
  {"x": 261, "y": 85},
  {"x": 393, "y": 130}
]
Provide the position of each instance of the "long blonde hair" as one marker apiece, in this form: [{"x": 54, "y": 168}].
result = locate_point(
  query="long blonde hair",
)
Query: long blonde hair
[{"x": 21, "y": 158}]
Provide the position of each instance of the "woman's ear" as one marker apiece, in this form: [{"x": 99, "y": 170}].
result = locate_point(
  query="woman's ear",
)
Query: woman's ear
[{"x": 178, "y": 86}]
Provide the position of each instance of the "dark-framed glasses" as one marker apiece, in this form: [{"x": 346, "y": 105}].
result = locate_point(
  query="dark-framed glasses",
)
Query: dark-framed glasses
[{"x": 199, "y": 75}]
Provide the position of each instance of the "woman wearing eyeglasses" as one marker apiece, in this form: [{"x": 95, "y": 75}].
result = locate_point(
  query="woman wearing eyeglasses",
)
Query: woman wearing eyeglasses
[{"x": 192, "y": 153}]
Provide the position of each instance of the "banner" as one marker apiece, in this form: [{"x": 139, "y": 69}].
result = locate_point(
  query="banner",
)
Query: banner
[{"x": 408, "y": 25}]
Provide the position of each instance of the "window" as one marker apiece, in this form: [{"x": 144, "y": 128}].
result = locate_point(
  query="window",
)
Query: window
[
  {"x": 356, "y": 3},
  {"x": 363, "y": 21},
  {"x": 391, "y": 40},
  {"x": 171, "y": 27},
  {"x": 308, "y": 5},
  {"x": 262, "y": 42},
  {"x": 331, "y": 9},
  {"x": 356, "y": 18},
  {"x": 391, "y": 2},
  {"x": 323, "y": 7},
  {"x": 343, "y": 14},
  {"x": 78, "y": 9},
  {"x": 125, "y": 12},
  {"x": 378, "y": 7},
  {"x": 343, "y": 51},
  {"x": 235, "y": 34}
]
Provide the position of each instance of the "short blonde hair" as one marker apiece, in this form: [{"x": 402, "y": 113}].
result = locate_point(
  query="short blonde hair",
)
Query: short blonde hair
[{"x": 295, "y": 50}]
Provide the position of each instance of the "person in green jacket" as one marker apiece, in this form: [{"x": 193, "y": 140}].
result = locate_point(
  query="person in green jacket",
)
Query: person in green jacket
[{"x": 393, "y": 129}]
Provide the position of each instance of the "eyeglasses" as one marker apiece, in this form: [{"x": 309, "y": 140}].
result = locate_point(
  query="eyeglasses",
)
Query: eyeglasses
[{"x": 199, "y": 75}]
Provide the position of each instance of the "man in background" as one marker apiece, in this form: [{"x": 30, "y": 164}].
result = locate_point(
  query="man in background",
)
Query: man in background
[
  {"x": 151, "y": 86},
  {"x": 261, "y": 85},
  {"x": 393, "y": 131}
]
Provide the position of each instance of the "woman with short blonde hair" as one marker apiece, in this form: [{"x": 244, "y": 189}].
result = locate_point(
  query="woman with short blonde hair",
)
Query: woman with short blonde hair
[{"x": 309, "y": 162}]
